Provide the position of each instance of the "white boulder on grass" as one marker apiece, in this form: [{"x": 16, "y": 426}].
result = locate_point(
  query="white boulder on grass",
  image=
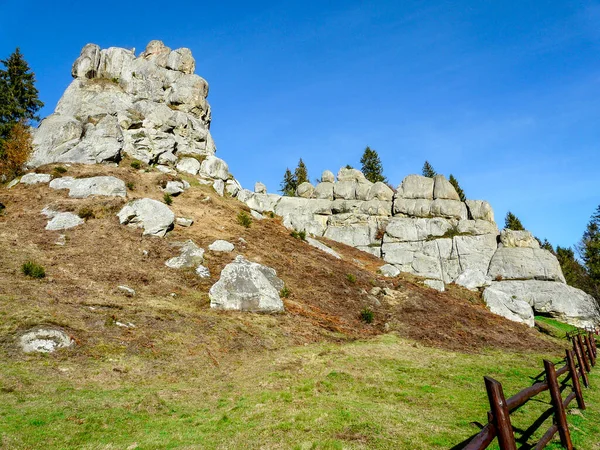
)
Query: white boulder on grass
[
  {"x": 87, "y": 187},
  {"x": 191, "y": 255},
  {"x": 247, "y": 286},
  {"x": 387, "y": 270},
  {"x": 153, "y": 216},
  {"x": 44, "y": 340},
  {"x": 35, "y": 178},
  {"x": 221, "y": 246},
  {"x": 64, "y": 221},
  {"x": 473, "y": 279},
  {"x": 189, "y": 165},
  {"x": 509, "y": 306},
  {"x": 438, "y": 285},
  {"x": 318, "y": 244}
]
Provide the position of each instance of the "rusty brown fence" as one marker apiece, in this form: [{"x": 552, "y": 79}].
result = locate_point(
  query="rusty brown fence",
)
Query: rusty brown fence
[{"x": 579, "y": 362}]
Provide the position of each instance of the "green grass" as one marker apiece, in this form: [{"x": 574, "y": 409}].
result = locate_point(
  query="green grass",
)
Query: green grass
[
  {"x": 33, "y": 270},
  {"x": 384, "y": 393},
  {"x": 553, "y": 327}
]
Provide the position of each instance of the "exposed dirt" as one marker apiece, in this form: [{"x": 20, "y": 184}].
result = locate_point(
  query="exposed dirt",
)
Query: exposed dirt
[{"x": 80, "y": 290}]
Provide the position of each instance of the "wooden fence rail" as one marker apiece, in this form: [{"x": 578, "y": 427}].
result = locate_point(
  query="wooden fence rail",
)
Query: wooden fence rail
[{"x": 579, "y": 362}]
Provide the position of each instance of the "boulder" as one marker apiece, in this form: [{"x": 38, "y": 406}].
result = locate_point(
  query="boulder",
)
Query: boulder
[
  {"x": 247, "y": 286},
  {"x": 64, "y": 221},
  {"x": 380, "y": 191},
  {"x": 203, "y": 272},
  {"x": 415, "y": 207},
  {"x": 260, "y": 188},
  {"x": 345, "y": 189},
  {"x": 521, "y": 239},
  {"x": 479, "y": 209},
  {"x": 443, "y": 189},
  {"x": 318, "y": 244},
  {"x": 350, "y": 175},
  {"x": 126, "y": 290},
  {"x": 44, "y": 340},
  {"x": 221, "y": 246},
  {"x": 153, "y": 216},
  {"x": 232, "y": 187},
  {"x": 525, "y": 264},
  {"x": 87, "y": 187},
  {"x": 190, "y": 255},
  {"x": 189, "y": 165},
  {"x": 477, "y": 227},
  {"x": 184, "y": 222},
  {"x": 35, "y": 178},
  {"x": 219, "y": 187},
  {"x": 387, "y": 270},
  {"x": 356, "y": 230},
  {"x": 324, "y": 190},
  {"x": 174, "y": 188},
  {"x": 406, "y": 229},
  {"x": 327, "y": 177},
  {"x": 305, "y": 190},
  {"x": 416, "y": 187},
  {"x": 473, "y": 279},
  {"x": 438, "y": 285},
  {"x": 507, "y": 306},
  {"x": 362, "y": 190},
  {"x": 215, "y": 168},
  {"x": 555, "y": 299},
  {"x": 259, "y": 202}
]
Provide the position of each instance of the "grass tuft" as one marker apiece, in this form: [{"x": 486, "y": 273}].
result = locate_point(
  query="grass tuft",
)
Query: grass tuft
[
  {"x": 299, "y": 235},
  {"x": 86, "y": 213},
  {"x": 33, "y": 270},
  {"x": 244, "y": 219},
  {"x": 351, "y": 278},
  {"x": 167, "y": 198},
  {"x": 136, "y": 164},
  {"x": 366, "y": 315}
]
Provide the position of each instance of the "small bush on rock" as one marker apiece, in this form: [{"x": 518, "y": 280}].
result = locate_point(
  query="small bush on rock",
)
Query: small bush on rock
[
  {"x": 366, "y": 315},
  {"x": 136, "y": 164},
  {"x": 168, "y": 199},
  {"x": 33, "y": 270},
  {"x": 244, "y": 219}
]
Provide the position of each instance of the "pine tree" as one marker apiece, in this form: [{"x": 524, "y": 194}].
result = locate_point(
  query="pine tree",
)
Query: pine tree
[
  {"x": 18, "y": 95},
  {"x": 512, "y": 222},
  {"x": 459, "y": 191},
  {"x": 589, "y": 250},
  {"x": 428, "y": 170},
  {"x": 289, "y": 183},
  {"x": 371, "y": 166},
  {"x": 575, "y": 274},
  {"x": 300, "y": 174}
]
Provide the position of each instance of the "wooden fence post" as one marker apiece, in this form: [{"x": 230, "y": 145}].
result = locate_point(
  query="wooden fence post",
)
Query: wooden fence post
[
  {"x": 575, "y": 378},
  {"x": 590, "y": 350},
  {"x": 593, "y": 342},
  {"x": 586, "y": 361},
  {"x": 559, "y": 410},
  {"x": 577, "y": 350},
  {"x": 500, "y": 414}
]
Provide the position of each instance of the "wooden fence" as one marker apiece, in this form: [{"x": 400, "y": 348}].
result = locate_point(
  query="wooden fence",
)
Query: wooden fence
[{"x": 579, "y": 363}]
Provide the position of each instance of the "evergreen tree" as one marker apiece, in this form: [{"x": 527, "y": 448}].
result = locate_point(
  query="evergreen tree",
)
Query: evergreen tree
[
  {"x": 18, "y": 95},
  {"x": 428, "y": 170},
  {"x": 348, "y": 166},
  {"x": 371, "y": 166},
  {"x": 289, "y": 183},
  {"x": 546, "y": 245},
  {"x": 575, "y": 274},
  {"x": 589, "y": 250},
  {"x": 512, "y": 222},
  {"x": 459, "y": 191},
  {"x": 300, "y": 174}
]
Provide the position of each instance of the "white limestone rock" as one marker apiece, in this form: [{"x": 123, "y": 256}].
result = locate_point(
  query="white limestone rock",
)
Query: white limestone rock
[
  {"x": 415, "y": 207},
  {"x": 480, "y": 209},
  {"x": 221, "y": 246},
  {"x": 64, "y": 221},
  {"x": 524, "y": 263},
  {"x": 405, "y": 229},
  {"x": 184, "y": 222},
  {"x": 35, "y": 178},
  {"x": 327, "y": 177},
  {"x": 324, "y": 190},
  {"x": 473, "y": 279},
  {"x": 203, "y": 272},
  {"x": 44, "y": 340},
  {"x": 153, "y": 216},
  {"x": 190, "y": 256},
  {"x": 505, "y": 305},
  {"x": 247, "y": 286},
  {"x": 443, "y": 189},
  {"x": 86, "y": 187},
  {"x": 387, "y": 270},
  {"x": 521, "y": 239},
  {"x": 189, "y": 165},
  {"x": 416, "y": 187},
  {"x": 345, "y": 174},
  {"x": 380, "y": 191},
  {"x": 305, "y": 190},
  {"x": 260, "y": 188},
  {"x": 232, "y": 187},
  {"x": 318, "y": 244},
  {"x": 438, "y": 285},
  {"x": 215, "y": 168},
  {"x": 345, "y": 189},
  {"x": 174, "y": 188}
]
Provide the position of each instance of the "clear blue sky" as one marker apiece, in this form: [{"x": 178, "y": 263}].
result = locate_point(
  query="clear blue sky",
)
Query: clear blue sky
[{"x": 505, "y": 95}]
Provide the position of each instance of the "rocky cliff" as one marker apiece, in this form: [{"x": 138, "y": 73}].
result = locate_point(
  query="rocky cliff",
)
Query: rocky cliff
[{"x": 153, "y": 108}]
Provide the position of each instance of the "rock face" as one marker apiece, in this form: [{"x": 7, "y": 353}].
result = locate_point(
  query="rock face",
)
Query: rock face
[
  {"x": 247, "y": 286},
  {"x": 153, "y": 216},
  {"x": 151, "y": 107}
]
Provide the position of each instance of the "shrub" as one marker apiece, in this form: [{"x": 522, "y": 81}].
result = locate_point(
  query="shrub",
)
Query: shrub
[
  {"x": 15, "y": 151},
  {"x": 33, "y": 270},
  {"x": 244, "y": 219},
  {"x": 299, "y": 235},
  {"x": 351, "y": 278},
  {"x": 366, "y": 315},
  {"x": 167, "y": 198},
  {"x": 86, "y": 213},
  {"x": 285, "y": 292},
  {"x": 59, "y": 170},
  {"x": 130, "y": 185},
  {"x": 271, "y": 214},
  {"x": 136, "y": 164}
]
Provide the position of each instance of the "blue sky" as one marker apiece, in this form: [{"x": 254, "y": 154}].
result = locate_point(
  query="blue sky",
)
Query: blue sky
[{"x": 504, "y": 95}]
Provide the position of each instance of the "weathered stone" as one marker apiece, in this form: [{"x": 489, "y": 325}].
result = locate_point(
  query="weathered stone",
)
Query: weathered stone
[
  {"x": 324, "y": 190},
  {"x": 352, "y": 229},
  {"x": 44, "y": 340},
  {"x": 256, "y": 215},
  {"x": 87, "y": 187},
  {"x": 323, "y": 247},
  {"x": 174, "y": 188},
  {"x": 477, "y": 227},
  {"x": 232, "y": 187},
  {"x": 259, "y": 202},
  {"x": 260, "y": 188},
  {"x": 64, "y": 221},
  {"x": 350, "y": 175},
  {"x": 558, "y": 300},
  {"x": 380, "y": 191},
  {"x": 184, "y": 222},
  {"x": 376, "y": 208},
  {"x": 219, "y": 187},
  {"x": 129, "y": 292},
  {"x": 480, "y": 209},
  {"x": 345, "y": 190},
  {"x": 524, "y": 239},
  {"x": 443, "y": 189},
  {"x": 216, "y": 168},
  {"x": 221, "y": 246},
  {"x": 189, "y": 165},
  {"x": 191, "y": 255},
  {"x": 203, "y": 272},
  {"x": 438, "y": 285},
  {"x": 247, "y": 286},
  {"x": 473, "y": 279},
  {"x": 387, "y": 270},
  {"x": 305, "y": 190},
  {"x": 475, "y": 252},
  {"x": 525, "y": 264},
  {"x": 405, "y": 229},
  {"x": 35, "y": 178},
  {"x": 153, "y": 216},
  {"x": 13, "y": 183},
  {"x": 505, "y": 305},
  {"x": 327, "y": 177},
  {"x": 416, "y": 187}
]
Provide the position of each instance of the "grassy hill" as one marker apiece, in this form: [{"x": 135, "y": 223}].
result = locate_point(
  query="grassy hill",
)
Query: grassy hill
[{"x": 180, "y": 375}]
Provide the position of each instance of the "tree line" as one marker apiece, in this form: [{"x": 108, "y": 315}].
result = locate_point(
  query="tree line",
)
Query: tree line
[{"x": 19, "y": 105}]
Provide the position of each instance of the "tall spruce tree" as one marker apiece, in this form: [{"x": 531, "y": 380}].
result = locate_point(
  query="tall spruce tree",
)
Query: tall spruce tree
[
  {"x": 589, "y": 251},
  {"x": 301, "y": 173},
  {"x": 428, "y": 170},
  {"x": 512, "y": 222},
  {"x": 371, "y": 166},
  {"x": 19, "y": 100},
  {"x": 575, "y": 274},
  {"x": 454, "y": 182},
  {"x": 288, "y": 184}
]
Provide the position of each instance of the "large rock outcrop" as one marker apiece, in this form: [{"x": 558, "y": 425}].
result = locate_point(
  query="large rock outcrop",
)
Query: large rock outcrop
[{"x": 151, "y": 107}]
